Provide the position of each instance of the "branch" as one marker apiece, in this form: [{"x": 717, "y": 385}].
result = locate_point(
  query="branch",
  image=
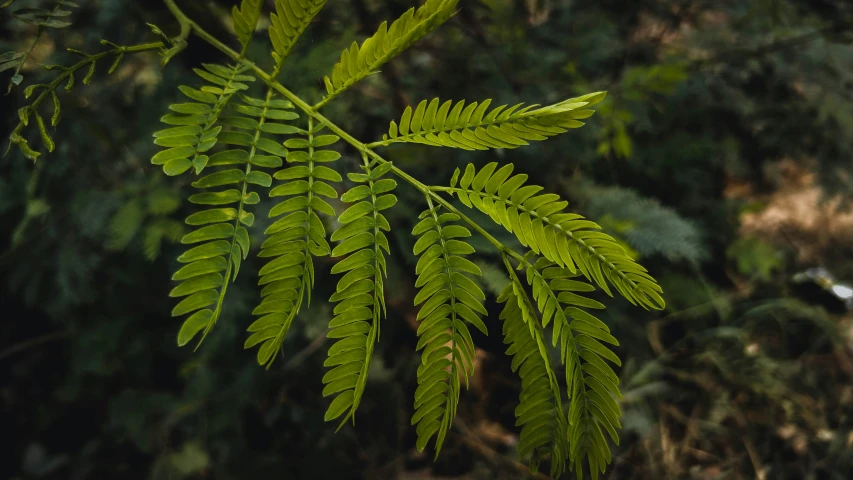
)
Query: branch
[
  {"x": 41, "y": 27},
  {"x": 186, "y": 22},
  {"x": 50, "y": 89}
]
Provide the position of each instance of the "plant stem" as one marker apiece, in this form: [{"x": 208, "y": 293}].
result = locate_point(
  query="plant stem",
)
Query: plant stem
[
  {"x": 186, "y": 22},
  {"x": 24, "y": 59},
  {"x": 324, "y": 101},
  {"x": 47, "y": 90},
  {"x": 40, "y": 30}
]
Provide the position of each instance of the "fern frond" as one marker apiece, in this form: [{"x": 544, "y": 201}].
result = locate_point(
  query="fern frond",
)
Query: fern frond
[
  {"x": 591, "y": 383},
  {"x": 293, "y": 240},
  {"x": 245, "y": 19},
  {"x": 226, "y": 245},
  {"x": 194, "y": 127},
  {"x": 290, "y": 19},
  {"x": 567, "y": 239},
  {"x": 469, "y": 126},
  {"x": 358, "y": 62},
  {"x": 360, "y": 293},
  {"x": 540, "y": 410},
  {"x": 450, "y": 302}
]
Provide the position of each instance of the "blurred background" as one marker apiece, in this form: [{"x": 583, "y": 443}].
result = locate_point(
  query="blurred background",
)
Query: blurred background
[{"x": 721, "y": 157}]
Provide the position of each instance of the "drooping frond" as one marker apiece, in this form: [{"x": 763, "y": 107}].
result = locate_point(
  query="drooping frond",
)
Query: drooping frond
[
  {"x": 360, "y": 293},
  {"x": 194, "y": 125},
  {"x": 290, "y": 19},
  {"x": 591, "y": 383},
  {"x": 359, "y": 61},
  {"x": 540, "y": 411},
  {"x": 294, "y": 239},
  {"x": 450, "y": 301},
  {"x": 469, "y": 126},
  {"x": 223, "y": 236},
  {"x": 567, "y": 239},
  {"x": 245, "y": 19}
]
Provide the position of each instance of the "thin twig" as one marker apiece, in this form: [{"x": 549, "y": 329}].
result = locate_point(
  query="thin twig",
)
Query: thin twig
[
  {"x": 470, "y": 439},
  {"x": 33, "y": 342},
  {"x": 306, "y": 352}
]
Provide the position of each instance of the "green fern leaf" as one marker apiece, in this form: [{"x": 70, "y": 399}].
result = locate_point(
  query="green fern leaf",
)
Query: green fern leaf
[
  {"x": 245, "y": 19},
  {"x": 450, "y": 302},
  {"x": 294, "y": 239},
  {"x": 290, "y": 19},
  {"x": 540, "y": 411},
  {"x": 223, "y": 234},
  {"x": 193, "y": 128},
  {"x": 359, "y": 61},
  {"x": 469, "y": 126},
  {"x": 591, "y": 383},
  {"x": 567, "y": 239},
  {"x": 360, "y": 293}
]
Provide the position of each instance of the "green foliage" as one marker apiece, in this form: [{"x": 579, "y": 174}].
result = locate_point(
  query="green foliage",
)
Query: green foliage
[
  {"x": 645, "y": 224},
  {"x": 358, "y": 62},
  {"x": 540, "y": 410},
  {"x": 755, "y": 258},
  {"x": 567, "y": 239},
  {"x": 290, "y": 19},
  {"x": 30, "y": 112},
  {"x": 245, "y": 19},
  {"x": 147, "y": 213},
  {"x": 639, "y": 86},
  {"x": 469, "y": 126},
  {"x": 294, "y": 239},
  {"x": 55, "y": 17},
  {"x": 10, "y": 60},
  {"x": 44, "y": 17},
  {"x": 449, "y": 301},
  {"x": 237, "y": 135},
  {"x": 190, "y": 460},
  {"x": 222, "y": 231},
  {"x": 694, "y": 119},
  {"x": 360, "y": 293},
  {"x": 591, "y": 383},
  {"x": 194, "y": 127},
  {"x": 494, "y": 277}
]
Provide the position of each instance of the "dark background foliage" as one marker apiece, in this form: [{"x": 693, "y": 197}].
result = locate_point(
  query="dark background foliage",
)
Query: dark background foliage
[{"x": 721, "y": 157}]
